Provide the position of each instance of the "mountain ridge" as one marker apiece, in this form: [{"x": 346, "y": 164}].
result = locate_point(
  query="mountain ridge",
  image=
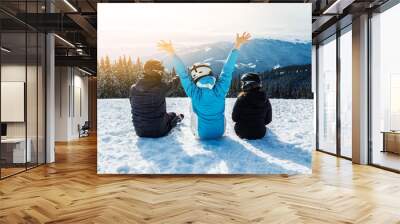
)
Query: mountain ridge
[{"x": 259, "y": 55}]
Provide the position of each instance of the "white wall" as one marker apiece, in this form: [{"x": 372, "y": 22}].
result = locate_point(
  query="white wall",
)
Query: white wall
[
  {"x": 79, "y": 117},
  {"x": 70, "y": 83},
  {"x": 13, "y": 100},
  {"x": 62, "y": 82},
  {"x": 14, "y": 73}
]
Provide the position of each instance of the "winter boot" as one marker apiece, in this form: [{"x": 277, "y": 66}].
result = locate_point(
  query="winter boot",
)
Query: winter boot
[{"x": 180, "y": 117}]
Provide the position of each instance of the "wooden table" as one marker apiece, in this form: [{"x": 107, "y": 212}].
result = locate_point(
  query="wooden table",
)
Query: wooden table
[{"x": 391, "y": 141}]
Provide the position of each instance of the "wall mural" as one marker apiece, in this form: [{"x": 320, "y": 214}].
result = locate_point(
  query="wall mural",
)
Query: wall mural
[{"x": 204, "y": 89}]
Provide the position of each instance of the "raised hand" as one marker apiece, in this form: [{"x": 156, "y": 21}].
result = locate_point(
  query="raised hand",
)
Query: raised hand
[
  {"x": 166, "y": 46},
  {"x": 242, "y": 39}
]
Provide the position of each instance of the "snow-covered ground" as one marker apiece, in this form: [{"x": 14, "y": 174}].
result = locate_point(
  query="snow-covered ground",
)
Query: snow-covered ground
[{"x": 285, "y": 149}]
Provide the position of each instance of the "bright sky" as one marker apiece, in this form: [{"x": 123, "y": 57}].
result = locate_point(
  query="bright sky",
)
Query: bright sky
[{"x": 134, "y": 29}]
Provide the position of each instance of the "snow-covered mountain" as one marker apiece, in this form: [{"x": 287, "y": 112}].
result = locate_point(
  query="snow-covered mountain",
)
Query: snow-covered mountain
[{"x": 258, "y": 55}]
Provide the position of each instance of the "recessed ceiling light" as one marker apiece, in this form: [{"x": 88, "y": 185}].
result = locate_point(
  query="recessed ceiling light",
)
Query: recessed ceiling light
[
  {"x": 70, "y": 5},
  {"x": 84, "y": 71},
  {"x": 5, "y": 50},
  {"x": 64, "y": 40},
  {"x": 338, "y": 6}
]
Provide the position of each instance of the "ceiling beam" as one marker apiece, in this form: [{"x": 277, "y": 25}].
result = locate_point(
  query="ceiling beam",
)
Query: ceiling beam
[
  {"x": 338, "y": 6},
  {"x": 84, "y": 24},
  {"x": 320, "y": 22},
  {"x": 77, "y": 61}
]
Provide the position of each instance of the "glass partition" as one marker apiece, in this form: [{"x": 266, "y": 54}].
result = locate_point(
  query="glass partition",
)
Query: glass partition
[
  {"x": 327, "y": 96},
  {"x": 14, "y": 153},
  {"x": 385, "y": 89},
  {"x": 32, "y": 85},
  {"x": 32, "y": 96},
  {"x": 22, "y": 77}
]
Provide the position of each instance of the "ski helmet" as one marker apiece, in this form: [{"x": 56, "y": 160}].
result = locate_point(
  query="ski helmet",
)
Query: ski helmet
[
  {"x": 250, "y": 81},
  {"x": 199, "y": 70}
]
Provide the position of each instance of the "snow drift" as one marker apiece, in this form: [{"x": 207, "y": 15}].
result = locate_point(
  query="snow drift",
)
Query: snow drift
[{"x": 286, "y": 149}]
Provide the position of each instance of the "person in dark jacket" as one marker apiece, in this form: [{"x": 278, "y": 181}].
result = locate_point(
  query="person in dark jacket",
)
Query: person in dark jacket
[
  {"x": 148, "y": 107},
  {"x": 252, "y": 110}
]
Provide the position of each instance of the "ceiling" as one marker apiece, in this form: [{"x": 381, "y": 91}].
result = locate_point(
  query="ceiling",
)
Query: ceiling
[{"x": 75, "y": 21}]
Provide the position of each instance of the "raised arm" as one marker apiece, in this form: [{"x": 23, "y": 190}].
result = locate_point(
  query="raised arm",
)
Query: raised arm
[
  {"x": 225, "y": 78},
  {"x": 180, "y": 68}
]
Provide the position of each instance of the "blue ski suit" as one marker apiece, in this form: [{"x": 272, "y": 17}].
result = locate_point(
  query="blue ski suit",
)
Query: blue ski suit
[{"x": 208, "y": 105}]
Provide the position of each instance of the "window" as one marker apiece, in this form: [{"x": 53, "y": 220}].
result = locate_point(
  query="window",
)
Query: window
[
  {"x": 346, "y": 93},
  {"x": 327, "y": 96},
  {"x": 385, "y": 89}
]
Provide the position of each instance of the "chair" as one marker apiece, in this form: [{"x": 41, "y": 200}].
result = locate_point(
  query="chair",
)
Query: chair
[{"x": 84, "y": 130}]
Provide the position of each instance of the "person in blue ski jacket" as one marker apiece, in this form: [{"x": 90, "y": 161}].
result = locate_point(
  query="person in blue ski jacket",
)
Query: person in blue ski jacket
[{"x": 206, "y": 90}]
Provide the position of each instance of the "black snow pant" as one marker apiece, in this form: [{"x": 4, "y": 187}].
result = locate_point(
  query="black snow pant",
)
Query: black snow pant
[
  {"x": 171, "y": 120},
  {"x": 250, "y": 132}
]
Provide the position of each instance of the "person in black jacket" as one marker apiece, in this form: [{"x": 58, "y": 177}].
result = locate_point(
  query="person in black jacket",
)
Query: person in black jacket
[
  {"x": 148, "y": 107},
  {"x": 252, "y": 110}
]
